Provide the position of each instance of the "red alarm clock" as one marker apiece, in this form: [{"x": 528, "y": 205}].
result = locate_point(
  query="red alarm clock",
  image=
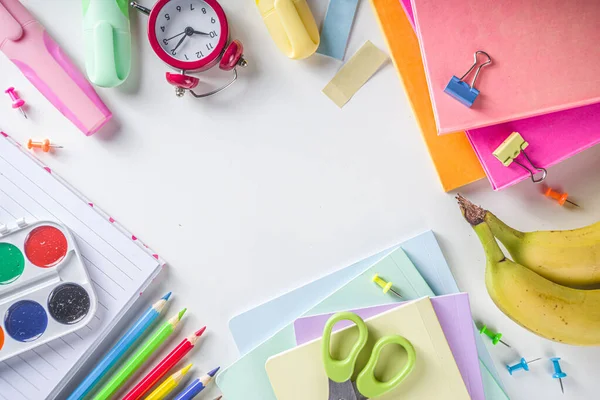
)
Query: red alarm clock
[{"x": 192, "y": 36}]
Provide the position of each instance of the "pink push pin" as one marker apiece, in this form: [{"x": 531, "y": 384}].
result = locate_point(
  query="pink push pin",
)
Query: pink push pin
[{"x": 17, "y": 102}]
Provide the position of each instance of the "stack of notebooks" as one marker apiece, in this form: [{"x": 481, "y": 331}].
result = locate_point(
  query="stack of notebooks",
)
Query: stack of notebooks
[
  {"x": 541, "y": 83},
  {"x": 280, "y": 341}
]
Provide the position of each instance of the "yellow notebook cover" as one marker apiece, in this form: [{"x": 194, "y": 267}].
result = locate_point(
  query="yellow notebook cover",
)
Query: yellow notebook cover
[
  {"x": 452, "y": 155},
  {"x": 298, "y": 374}
]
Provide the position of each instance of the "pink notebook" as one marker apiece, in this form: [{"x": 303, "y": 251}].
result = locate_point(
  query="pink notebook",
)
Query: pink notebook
[
  {"x": 552, "y": 138},
  {"x": 545, "y": 57},
  {"x": 572, "y": 131}
]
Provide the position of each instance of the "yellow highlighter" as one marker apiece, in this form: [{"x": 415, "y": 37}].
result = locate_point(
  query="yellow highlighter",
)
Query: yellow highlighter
[
  {"x": 291, "y": 25},
  {"x": 169, "y": 384}
]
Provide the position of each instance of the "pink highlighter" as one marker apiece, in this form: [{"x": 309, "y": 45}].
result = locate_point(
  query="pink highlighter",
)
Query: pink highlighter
[{"x": 27, "y": 44}]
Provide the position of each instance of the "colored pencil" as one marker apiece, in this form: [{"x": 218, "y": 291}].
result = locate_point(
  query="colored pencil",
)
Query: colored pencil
[
  {"x": 137, "y": 330},
  {"x": 139, "y": 357},
  {"x": 164, "y": 366},
  {"x": 197, "y": 386},
  {"x": 169, "y": 384}
]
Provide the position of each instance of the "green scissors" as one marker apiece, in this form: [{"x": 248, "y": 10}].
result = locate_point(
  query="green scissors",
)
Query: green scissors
[{"x": 340, "y": 372}]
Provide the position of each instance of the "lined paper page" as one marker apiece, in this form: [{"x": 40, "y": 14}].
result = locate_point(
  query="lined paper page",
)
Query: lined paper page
[{"x": 119, "y": 267}]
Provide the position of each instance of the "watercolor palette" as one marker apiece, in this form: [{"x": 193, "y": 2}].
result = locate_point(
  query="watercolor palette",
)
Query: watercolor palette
[{"x": 45, "y": 291}]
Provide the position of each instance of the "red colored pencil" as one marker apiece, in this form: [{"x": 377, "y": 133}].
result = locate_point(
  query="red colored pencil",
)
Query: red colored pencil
[{"x": 164, "y": 366}]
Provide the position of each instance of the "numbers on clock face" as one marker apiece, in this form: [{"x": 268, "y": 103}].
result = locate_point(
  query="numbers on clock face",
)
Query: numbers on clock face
[{"x": 188, "y": 30}]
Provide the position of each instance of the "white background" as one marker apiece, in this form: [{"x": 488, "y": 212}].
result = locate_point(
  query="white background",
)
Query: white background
[{"x": 268, "y": 186}]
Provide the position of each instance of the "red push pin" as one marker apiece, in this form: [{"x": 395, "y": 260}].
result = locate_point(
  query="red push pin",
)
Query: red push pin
[
  {"x": 560, "y": 198},
  {"x": 44, "y": 145},
  {"x": 17, "y": 102}
]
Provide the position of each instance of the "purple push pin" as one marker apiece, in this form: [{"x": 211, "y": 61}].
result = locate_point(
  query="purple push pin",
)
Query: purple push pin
[{"x": 17, "y": 102}]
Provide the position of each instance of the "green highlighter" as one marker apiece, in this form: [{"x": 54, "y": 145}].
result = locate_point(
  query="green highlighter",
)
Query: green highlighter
[
  {"x": 107, "y": 41},
  {"x": 139, "y": 358}
]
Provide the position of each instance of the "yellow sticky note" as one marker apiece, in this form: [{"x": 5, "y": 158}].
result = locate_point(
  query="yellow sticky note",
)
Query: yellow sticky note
[
  {"x": 299, "y": 374},
  {"x": 355, "y": 73}
]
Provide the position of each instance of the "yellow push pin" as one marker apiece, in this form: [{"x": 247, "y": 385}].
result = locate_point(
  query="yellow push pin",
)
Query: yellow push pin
[{"x": 386, "y": 286}]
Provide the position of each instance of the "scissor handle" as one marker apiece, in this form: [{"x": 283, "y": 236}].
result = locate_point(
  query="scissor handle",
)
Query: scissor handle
[
  {"x": 342, "y": 370},
  {"x": 366, "y": 382}
]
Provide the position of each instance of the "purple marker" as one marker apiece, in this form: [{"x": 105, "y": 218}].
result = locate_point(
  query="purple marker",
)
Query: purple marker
[{"x": 196, "y": 386}]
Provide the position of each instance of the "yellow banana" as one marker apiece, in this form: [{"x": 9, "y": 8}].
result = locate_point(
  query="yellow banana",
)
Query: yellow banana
[
  {"x": 570, "y": 258},
  {"x": 547, "y": 309}
]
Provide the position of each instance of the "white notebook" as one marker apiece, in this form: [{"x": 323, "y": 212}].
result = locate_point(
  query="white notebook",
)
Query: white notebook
[{"x": 119, "y": 265}]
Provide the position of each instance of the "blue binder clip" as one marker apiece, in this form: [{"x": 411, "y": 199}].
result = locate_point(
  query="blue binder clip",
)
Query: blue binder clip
[{"x": 461, "y": 90}]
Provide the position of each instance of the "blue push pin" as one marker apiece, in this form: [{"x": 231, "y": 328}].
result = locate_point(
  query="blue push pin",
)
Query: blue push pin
[
  {"x": 461, "y": 90},
  {"x": 521, "y": 365},
  {"x": 558, "y": 374}
]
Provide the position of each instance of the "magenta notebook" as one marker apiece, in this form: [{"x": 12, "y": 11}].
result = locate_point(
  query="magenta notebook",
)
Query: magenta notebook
[
  {"x": 454, "y": 314},
  {"x": 552, "y": 137},
  {"x": 545, "y": 57}
]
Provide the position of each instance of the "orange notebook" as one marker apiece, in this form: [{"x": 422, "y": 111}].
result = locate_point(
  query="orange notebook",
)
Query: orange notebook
[{"x": 452, "y": 155}]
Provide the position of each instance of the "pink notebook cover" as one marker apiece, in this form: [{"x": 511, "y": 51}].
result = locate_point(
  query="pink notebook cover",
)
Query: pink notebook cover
[
  {"x": 545, "y": 57},
  {"x": 572, "y": 131},
  {"x": 552, "y": 138}
]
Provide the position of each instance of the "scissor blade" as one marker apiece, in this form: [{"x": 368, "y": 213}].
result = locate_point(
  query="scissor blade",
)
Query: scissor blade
[{"x": 342, "y": 391}]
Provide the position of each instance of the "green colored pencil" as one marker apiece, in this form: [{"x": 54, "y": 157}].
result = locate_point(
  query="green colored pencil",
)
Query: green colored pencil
[{"x": 139, "y": 358}]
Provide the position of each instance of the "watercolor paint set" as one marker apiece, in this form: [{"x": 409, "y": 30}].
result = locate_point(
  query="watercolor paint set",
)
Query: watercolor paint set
[{"x": 45, "y": 291}]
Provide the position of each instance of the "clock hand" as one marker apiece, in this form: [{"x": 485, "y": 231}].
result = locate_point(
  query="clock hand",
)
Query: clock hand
[
  {"x": 201, "y": 33},
  {"x": 180, "y": 41},
  {"x": 173, "y": 37}
]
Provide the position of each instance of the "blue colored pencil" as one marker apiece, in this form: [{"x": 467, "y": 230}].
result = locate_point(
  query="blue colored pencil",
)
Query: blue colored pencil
[
  {"x": 123, "y": 345},
  {"x": 196, "y": 386}
]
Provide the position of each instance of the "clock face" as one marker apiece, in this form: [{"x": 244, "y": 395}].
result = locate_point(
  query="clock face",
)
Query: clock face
[{"x": 188, "y": 34}]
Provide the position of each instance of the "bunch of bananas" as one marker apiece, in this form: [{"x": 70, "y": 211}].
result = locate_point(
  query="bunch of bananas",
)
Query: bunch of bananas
[{"x": 544, "y": 287}]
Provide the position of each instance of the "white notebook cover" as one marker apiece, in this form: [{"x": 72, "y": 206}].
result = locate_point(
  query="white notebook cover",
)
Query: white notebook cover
[{"x": 119, "y": 264}]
